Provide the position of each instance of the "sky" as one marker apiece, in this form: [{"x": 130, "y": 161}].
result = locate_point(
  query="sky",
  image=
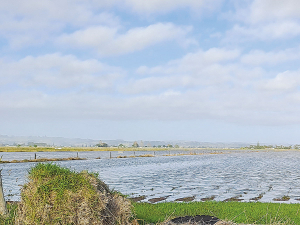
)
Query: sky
[{"x": 195, "y": 70}]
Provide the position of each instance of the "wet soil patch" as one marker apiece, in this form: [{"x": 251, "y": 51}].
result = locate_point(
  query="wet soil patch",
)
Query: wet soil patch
[
  {"x": 208, "y": 198},
  {"x": 197, "y": 220},
  {"x": 154, "y": 200},
  {"x": 257, "y": 198},
  {"x": 234, "y": 199},
  {"x": 137, "y": 199},
  {"x": 185, "y": 199}
]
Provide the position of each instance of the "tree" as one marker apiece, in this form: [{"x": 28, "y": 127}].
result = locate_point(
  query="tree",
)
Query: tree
[
  {"x": 102, "y": 144},
  {"x": 135, "y": 144}
]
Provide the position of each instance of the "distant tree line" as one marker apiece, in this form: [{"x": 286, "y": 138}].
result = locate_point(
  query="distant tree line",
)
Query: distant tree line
[
  {"x": 136, "y": 145},
  {"x": 258, "y": 146}
]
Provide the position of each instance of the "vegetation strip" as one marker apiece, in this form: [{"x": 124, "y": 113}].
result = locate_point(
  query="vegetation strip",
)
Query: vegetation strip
[
  {"x": 42, "y": 160},
  {"x": 84, "y": 149},
  {"x": 238, "y": 212}
]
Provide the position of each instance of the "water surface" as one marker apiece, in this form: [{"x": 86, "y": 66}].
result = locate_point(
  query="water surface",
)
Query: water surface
[{"x": 245, "y": 174}]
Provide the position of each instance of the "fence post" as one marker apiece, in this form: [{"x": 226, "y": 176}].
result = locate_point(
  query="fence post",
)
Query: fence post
[
  {"x": 3, "y": 209},
  {"x": 34, "y": 155}
]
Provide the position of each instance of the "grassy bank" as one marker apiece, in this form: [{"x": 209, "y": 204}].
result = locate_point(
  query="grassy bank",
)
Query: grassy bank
[
  {"x": 84, "y": 149},
  {"x": 238, "y": 212},
  {"x": 246, "y": 213}
]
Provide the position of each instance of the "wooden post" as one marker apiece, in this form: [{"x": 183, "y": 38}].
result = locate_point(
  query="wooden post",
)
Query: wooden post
[
  {"x": 77, "y": 154},
  {"x": 3, "y": 209},
  {"x": 34, "y": 155},
  {"x": 110, "y": 155}
]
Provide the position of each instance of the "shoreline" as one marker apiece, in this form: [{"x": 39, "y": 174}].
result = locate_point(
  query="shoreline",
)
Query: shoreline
[{"x": 100, "y": 149}]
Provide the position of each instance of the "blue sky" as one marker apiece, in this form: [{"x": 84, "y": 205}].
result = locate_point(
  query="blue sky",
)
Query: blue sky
[{"x": 203, "y": 70}]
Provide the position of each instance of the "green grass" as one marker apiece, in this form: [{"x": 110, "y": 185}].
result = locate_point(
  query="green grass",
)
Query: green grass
[
  {"x": 9, "y": 219},
  {"x": 53, "y": 178},
  {"x": 238, "y": 212}
]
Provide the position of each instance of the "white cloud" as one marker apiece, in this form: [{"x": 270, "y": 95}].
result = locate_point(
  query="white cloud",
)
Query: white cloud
[
  {"x": 194, "y": 70},
  {"x": 264, "y": 32},
  {"x": 162, "y": 6},
  {"x": 108, "y": 41},
  {"x": 259, "y": 57},
  {"x": 194, "y": 61},
  {"x": 197, "y": 86},
  {"x": 77, "y": 13},
  {"x": 34, "y": 22},
  {"x": 270, "y": 10},
  {"x": 287, "y": 81},
  {"x": 264, "y": 20},
  {"x": 58, "y": 72},
  {"x": 218, "y": 83},
  {"x": 264, "y": 11}
]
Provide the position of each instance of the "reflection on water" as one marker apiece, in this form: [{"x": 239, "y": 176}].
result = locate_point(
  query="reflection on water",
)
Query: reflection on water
[{"x": 248, "y": 175}]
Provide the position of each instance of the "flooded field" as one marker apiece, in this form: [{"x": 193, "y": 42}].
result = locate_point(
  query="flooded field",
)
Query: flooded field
[{"x": 234, "y": 175}]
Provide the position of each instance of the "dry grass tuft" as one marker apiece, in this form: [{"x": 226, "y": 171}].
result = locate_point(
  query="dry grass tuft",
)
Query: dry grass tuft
[{"x": 56, "y": 195}]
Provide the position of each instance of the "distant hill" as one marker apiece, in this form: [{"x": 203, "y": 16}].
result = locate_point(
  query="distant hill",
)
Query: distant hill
[{"x": 78, "y": 142}]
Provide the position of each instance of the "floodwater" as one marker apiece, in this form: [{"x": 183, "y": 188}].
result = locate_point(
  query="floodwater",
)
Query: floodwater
[{"x": 244, "y": 175}]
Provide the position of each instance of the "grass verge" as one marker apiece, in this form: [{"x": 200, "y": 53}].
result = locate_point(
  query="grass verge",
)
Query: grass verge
[{"x": 238, "y": 212}]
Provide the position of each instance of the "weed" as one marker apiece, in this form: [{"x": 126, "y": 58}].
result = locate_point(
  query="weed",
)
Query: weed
[{"x": 283, "y": 198}]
